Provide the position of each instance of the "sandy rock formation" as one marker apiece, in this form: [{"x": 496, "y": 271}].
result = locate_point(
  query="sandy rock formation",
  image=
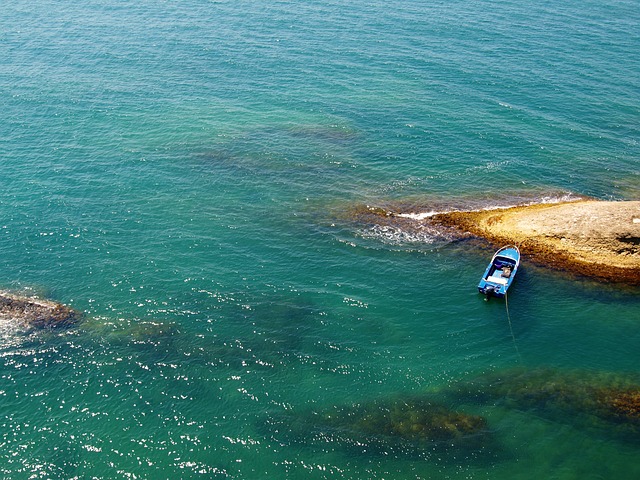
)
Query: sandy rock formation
[{"x": 592, "y": 238}]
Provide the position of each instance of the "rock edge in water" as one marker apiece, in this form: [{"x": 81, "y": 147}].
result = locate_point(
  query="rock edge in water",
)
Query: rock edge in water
[
  {"x": 594, "y": 238},
  {"x": 37, "y": 313}
]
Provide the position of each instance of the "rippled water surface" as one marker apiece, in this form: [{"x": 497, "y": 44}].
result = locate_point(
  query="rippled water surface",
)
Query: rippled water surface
[{"x": 192, "y": 176}]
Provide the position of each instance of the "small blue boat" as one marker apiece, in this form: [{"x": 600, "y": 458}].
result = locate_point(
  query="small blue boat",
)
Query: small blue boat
[{"x": 500, "y": 273}]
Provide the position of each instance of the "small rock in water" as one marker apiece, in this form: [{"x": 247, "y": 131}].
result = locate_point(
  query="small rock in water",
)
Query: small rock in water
[{"x": 37, "y": 313}]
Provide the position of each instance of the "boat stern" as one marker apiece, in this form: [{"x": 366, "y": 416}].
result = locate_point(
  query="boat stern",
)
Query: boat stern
[{"x": 490, "y": 289}]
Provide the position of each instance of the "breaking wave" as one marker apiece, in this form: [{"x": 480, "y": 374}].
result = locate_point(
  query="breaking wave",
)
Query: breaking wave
[
  {"x": 398, "y": 236},
  {"x": 11, "y": 333}
]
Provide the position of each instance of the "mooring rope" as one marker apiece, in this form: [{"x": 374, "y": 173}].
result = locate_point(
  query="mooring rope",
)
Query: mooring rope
[{"x": 506, "y": 303}]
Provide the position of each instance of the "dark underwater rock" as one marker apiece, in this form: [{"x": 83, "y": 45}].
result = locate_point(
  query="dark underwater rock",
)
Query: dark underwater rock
[
  {"x": 411, "y": 419},
  {"x": 37, "y": 313},
  {"x": 153, "y": 340},
  {"x": 601, "y": 401},
  {"x": 411, "y": 426},
  {"x": 150, "y": 332}
]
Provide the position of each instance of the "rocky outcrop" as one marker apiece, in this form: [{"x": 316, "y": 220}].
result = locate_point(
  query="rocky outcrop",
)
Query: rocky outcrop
[
  {"x": 592, "y": 238},
  {"x": 37, "y": 313}
]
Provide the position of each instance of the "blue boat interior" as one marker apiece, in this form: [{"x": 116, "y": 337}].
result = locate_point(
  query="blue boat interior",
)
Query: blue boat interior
[
  {"x": 503, "y": 267},
  {"x": 500, "y": 271}
]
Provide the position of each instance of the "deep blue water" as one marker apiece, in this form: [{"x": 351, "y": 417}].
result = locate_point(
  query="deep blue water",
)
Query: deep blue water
[{"x": 185, "y": 173}]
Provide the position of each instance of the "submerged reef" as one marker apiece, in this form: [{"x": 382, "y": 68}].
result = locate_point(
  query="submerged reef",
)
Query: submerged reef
[
  {"x": 152, "y": 339},
  {"x": 606, "y": 402},
  {"x": 37, "y": 313},
  {"x": 152, "y": 333},
  {"x": 412, "y": 426}
]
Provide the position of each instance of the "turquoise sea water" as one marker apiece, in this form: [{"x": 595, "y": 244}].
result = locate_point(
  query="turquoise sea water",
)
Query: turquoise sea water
[{"x": 184, "y": 172}]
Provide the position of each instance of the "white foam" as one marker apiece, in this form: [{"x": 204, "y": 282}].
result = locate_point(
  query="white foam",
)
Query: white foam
[
  {"x": 568, "y": 197},
  {"x": 544, "y": 200},
  {"x": 10, "y": 331},
  {"x": 418, "y": 216},
  {"x": 392, "y": 235}
]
